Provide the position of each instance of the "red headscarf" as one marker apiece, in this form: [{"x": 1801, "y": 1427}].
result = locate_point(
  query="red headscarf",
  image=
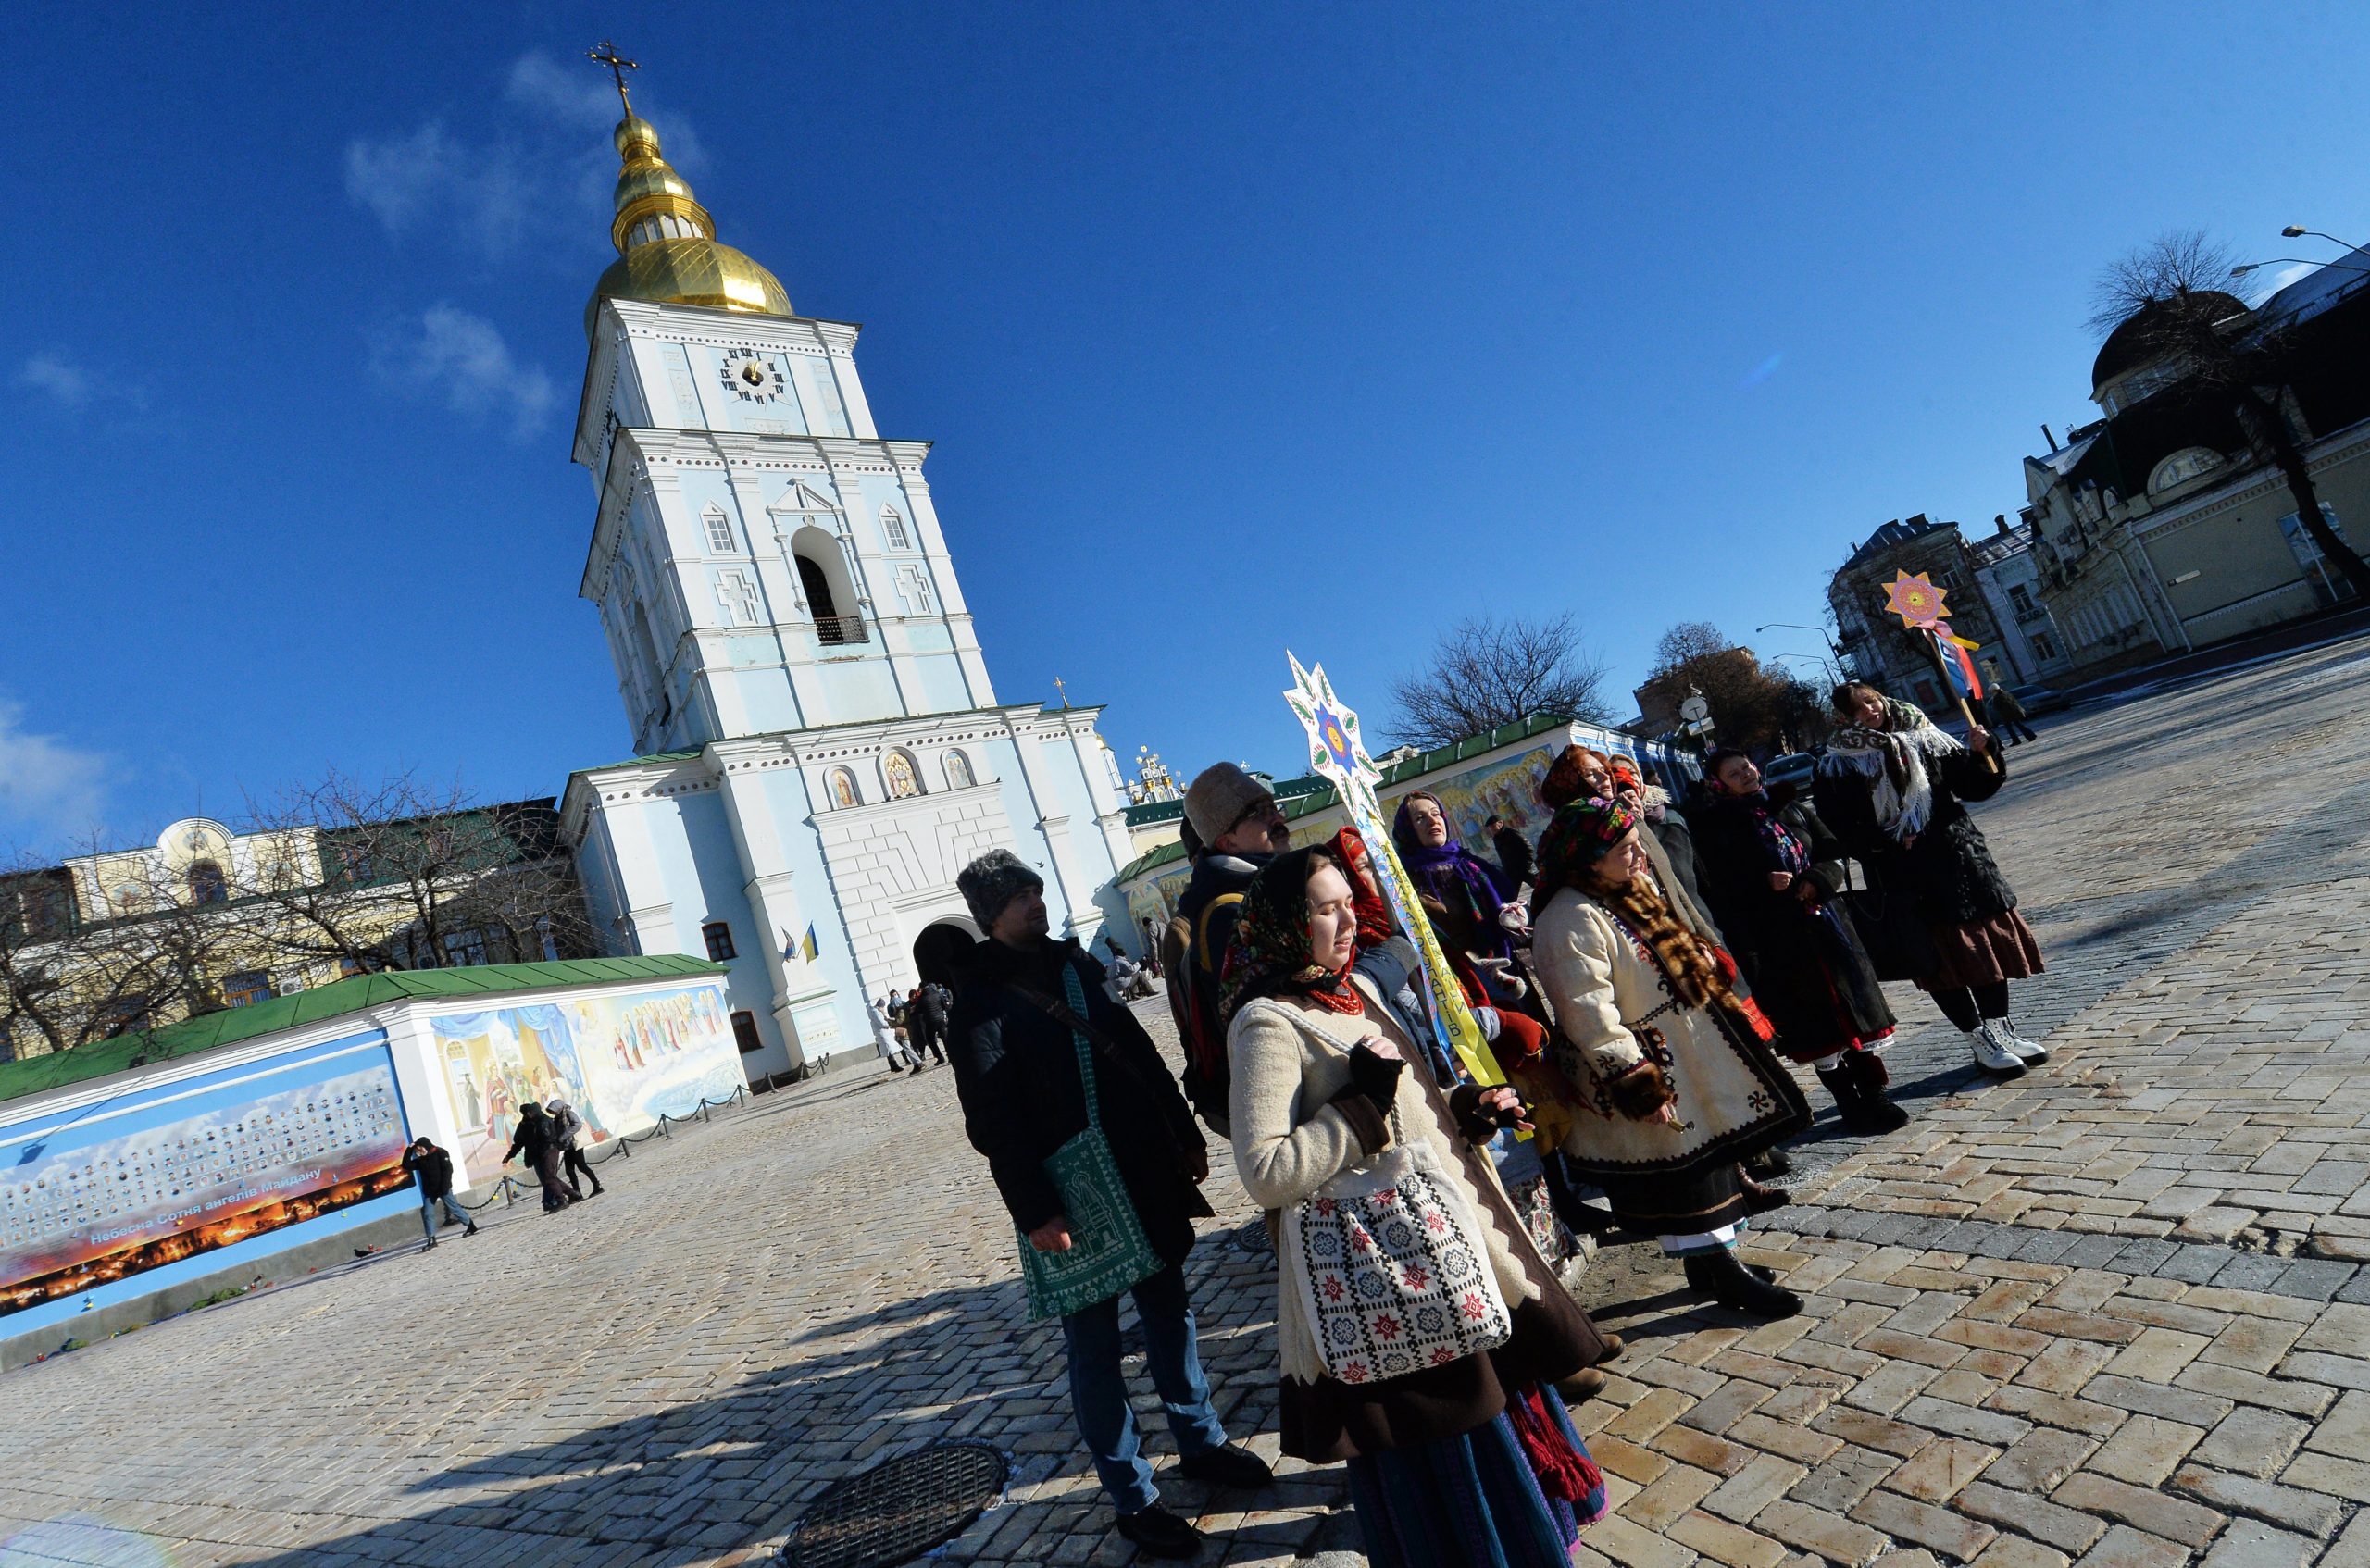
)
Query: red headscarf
[{"x": 1365, "y": 898}]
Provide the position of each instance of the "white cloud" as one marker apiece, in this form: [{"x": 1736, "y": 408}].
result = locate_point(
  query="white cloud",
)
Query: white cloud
[
  {"x": 427, "y": 180},
  {"x": 47, "y": 786},
  {"x": 572, "y": 93},
  {"x": 447, "y": 354},
  {"x": 66, "y": 383}
]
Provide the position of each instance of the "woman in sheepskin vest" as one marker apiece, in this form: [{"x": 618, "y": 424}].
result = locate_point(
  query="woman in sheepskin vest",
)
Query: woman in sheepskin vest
[
  {"x": 1468, "y": 1457},
  {"x": 1672, "y": 1068},
  {"x": 1893, "y": 789}
]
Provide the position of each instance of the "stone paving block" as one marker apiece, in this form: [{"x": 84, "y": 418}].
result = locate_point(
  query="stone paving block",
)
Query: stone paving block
[
  {"x": 1844, "y": 1479},
  {"x": 1821, "y": 1533},
  {"x": 1965, "y": 1421},
  {"x": 1952, "y": 1534},
  {"x": 1939, "y": 1470},
  {"x": 2195, "y": 1264},
  {"x": 1634, "y": 1546},
  {"x": 1744, "y": 1494},
  {"x": 1731, "y": 1545},
  {"x": 2252, "y": 1544},
  {"x": 2252, "y": 1387},
  {"x": 2124, "y": 1547},
  {"x": 1667, "y": 1498},
  {"x": 2066, "y": 1529},
  {"x": 2015, "y": 1551},
  {"x": 2352, "y": 1548},
  {"x": 2291, "y": 1507},
  {"x": 2252, "y": 1441},
  {"x": 2344, "y": 1372},
  {"x": 2152, "y": 1399},
  {"x": 1802, "y": 1444},
  {"x": 2157, "y": 1355},
  {"x": 2066, "y": 1364},
  {"x": 2327, "y": 1473},
  {"x": 2346, "y": 1429},
  {"x": 2315, "y": 1279},
  {"x": 2154, "y": 1511},
  {"x": 2039, "y": 1460},
  {"x": 1873, "y": 1431}
]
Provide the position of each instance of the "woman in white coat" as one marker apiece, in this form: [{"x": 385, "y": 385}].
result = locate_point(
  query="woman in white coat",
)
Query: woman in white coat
[{"x": 1673, "y": 1069}]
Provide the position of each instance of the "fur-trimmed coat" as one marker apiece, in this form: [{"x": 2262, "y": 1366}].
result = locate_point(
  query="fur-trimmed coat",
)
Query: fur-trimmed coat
[
  {"x": 1614, "y": 1010},
  {"x": 1946, "y": 877}
]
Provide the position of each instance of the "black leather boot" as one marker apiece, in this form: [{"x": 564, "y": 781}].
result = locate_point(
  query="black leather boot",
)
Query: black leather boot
[
  {"x": 1722, "y": 1273},
  {"x": 1857, "y": 1081}
]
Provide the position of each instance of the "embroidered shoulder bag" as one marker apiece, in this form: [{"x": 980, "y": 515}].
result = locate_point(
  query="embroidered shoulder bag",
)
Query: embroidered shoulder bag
[
  {"x": 1109, "y": 1252},
  {"x": 1391, "y": 1265}
]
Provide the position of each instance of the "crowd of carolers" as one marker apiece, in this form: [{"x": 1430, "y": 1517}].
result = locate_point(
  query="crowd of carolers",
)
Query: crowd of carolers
[{"x": 1642, "y": 976}]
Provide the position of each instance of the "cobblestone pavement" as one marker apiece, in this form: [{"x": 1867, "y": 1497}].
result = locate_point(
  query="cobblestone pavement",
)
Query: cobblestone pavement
[{"x": 2112, "y": 1314}]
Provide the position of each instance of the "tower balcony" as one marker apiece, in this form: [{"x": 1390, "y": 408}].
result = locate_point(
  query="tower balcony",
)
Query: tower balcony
[{"x": 834, "y": 630}]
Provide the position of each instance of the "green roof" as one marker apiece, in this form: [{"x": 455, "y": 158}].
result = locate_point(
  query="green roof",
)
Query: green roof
[
  {"x": 35, "y": 1074},
  {"x": 1297, "y": 804}
]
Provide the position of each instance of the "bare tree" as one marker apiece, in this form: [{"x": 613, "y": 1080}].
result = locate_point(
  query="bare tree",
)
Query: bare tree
[
  {"x": 2168, "y": 296},
  {"x": 1745, "y": 700},
  {"x": 1487, "y": 672},
  {"x": 413, "y": 874}
]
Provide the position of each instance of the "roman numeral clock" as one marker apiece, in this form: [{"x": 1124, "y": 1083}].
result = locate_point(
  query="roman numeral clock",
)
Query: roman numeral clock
[{"x": 751, "y": 376}]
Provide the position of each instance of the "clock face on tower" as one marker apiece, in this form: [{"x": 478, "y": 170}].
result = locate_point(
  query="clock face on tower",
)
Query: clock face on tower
[{"x": 751, "y": 376}]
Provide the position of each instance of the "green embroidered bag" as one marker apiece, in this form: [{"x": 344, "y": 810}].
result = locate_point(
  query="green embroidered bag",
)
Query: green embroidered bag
[{"x": 1108, "y": 1250}]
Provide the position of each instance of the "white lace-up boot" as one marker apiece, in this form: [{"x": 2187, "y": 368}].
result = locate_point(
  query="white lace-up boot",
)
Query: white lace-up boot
[
  {"x": 2031, "y": 1051},
  {"x": 1991, "y": 1054}
]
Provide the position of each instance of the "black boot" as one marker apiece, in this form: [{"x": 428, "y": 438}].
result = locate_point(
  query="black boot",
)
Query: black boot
[
  {"x": 1768, "y": 1163},
  {"x": 1722, "y": 1273},
  {"x": 1857, "y": 1081}
]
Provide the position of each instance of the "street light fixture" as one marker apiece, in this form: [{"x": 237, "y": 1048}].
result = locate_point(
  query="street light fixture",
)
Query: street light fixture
[
  {"x": 1837, "y": 661},
  {"x": 2244, "y": 268},
  {"x": 2297, "y": 232}
]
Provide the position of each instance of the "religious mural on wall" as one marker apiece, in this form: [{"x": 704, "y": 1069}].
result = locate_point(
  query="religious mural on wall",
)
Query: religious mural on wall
[
  {"x": 623, "y": 1061},
  {"x": 167, "y": 1174}
]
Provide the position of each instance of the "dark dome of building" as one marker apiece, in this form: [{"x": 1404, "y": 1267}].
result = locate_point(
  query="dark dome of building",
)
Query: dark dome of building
[{"x": 2131, "y": 345}]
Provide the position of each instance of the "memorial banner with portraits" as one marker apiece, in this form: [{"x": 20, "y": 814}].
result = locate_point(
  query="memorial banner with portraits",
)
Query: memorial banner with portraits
[{"x": 165, "y": 1175}]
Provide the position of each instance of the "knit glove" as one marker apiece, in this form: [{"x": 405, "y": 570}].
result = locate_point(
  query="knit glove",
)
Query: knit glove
[
  {"x": 1487, "y": 1018},
  {"x": 1376, "y": 1077}
]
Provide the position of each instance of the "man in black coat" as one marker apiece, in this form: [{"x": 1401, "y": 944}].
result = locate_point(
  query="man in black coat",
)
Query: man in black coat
[
  {"x": 925, "y": 1011},
  {"x": 1016, "y": 1070},
  {"x": 432, "y": 1167},
  {"x": 1514, "y": 852}
]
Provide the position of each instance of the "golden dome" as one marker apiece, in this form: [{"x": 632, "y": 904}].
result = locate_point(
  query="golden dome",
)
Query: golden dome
[{"x": 666, "y": 243}]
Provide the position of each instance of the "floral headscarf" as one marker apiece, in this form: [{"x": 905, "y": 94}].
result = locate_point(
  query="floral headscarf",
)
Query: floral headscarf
[
  {"x": 1570, "y": 852},
  {"x": 1580, "y": 836},
  {"x": 1375, "y": 924},
  {"x": 1269, "y": 955},
  {"x": 1891, "y": 763}
]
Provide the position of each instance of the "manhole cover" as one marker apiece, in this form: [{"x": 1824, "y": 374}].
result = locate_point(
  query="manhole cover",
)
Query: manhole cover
[
  {"x": 898, "y": 1509},
  {"x": 1253, "y": 1240}
]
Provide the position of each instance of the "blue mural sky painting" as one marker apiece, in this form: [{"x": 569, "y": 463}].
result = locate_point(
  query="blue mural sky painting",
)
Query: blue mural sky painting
[{"x": 1233, "y": 326}]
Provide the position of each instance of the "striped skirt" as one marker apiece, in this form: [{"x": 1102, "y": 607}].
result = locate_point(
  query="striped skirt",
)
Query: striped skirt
[{"x": 1468, "y": 1502}]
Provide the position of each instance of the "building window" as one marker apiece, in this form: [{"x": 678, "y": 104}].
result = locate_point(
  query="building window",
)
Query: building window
[
  {"x": 463, "y": 949},
  {"x": 718, "y": 934},
  {"x": 246, "y": 988},
  {"x": 2043, "y": 646},
  {"x": 128, "y": 1015},
  {"x": 958, "y": 771},
  {"x": 893, "y": 528},
  {"x": 206, "y": 883},
  {"x": 2021, "y": 598},
  {"x": 744, "y": 1033},
  {"x": 348, "y": 966},
  {"x": 719, "y": 532},
  {"x": 898, "y": 768},
  {"x": 843, "y": 789}
]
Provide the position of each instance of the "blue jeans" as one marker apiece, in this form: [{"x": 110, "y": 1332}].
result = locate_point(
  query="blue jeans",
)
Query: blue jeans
[
  {"x": 1099, "y": 1392},
  {"x": 428, "y": 1214}
]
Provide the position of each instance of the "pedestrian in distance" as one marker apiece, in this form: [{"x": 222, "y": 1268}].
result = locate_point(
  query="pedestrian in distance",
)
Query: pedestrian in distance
[
  {"x": 1152, "y": 945},
  {"x": 1653, "y": 1034},
  {"x": 1515, "y": 859},
  {"x": 535, "y": 1144},
  {"x": 2007, "y": 714},
  {"x": 926, "y": 1021},
  {"x": 888, "y": 1041},
  {"x": 1239, "y": 827},
  {"x": 1895, "y": 788},
  {"x": 1773, "y": 889},
  {"x": 570, "y": 1128},
  {"x": 1096, "y": 1157},
  {"x": 432, "y": 1168},
  {"x": 1431, "y": 1371}
]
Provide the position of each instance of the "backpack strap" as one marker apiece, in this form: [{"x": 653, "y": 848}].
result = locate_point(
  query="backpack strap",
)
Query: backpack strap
[{"x": 1202, "y": 932}]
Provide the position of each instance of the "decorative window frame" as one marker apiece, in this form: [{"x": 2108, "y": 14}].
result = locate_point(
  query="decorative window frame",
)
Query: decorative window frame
[
  {"x": 893, "y": 775},
  {"x": 956, "y": 759}
]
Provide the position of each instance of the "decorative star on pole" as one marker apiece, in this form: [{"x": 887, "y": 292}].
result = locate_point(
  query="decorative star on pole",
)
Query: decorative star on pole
[
  {"x": 1915, "y": 598},
  {"x": 1336, "y": 752}
]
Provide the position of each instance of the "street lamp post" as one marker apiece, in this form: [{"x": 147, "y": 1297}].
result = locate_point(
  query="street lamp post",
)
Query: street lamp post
[
  {"x": 1836, "y": 664},
  {"x": 2297, "y": 232}
]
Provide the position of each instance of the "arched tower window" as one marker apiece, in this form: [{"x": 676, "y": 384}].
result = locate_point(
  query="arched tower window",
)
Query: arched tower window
[
  {"x": 893, "y": 528},
  {"x": 843, "y": 789},
  {"x": 898, "y": 769},
  {"x": 817, "y": 589},
  {"x": 958, "y": 771},
  {"x": 206, "y": 884}
]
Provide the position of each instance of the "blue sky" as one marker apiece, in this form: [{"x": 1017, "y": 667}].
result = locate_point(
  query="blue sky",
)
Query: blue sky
[{"x": 1237, "y": 328}]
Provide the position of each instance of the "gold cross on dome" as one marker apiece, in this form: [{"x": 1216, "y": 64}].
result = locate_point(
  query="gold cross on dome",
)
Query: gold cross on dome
[
  {"x": 1062, "y": 689},
  {"x": 605, "y": 52}
]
